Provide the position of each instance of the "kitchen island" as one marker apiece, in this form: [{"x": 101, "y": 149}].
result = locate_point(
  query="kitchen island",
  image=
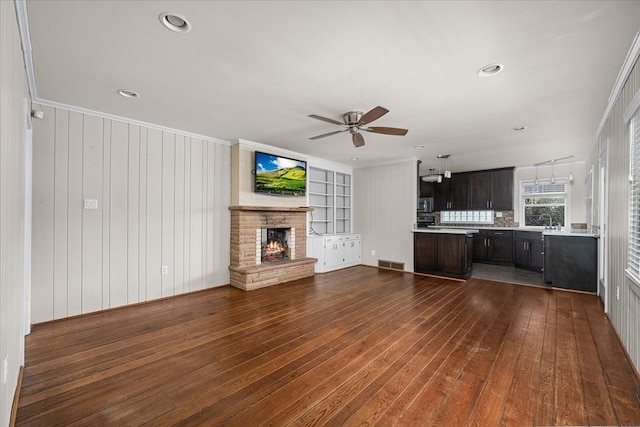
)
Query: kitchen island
[{"x": 443, "y": 251}]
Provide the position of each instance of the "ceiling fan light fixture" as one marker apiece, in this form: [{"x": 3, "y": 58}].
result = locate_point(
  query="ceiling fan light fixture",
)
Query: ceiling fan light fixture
[
  {"x": 490, "y": 70},
  {"x": 175, "y": 22}
]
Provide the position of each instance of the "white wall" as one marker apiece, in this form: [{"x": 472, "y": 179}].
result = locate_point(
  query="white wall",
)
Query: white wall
[
  {"x": 163, "y": 200},
  {"x": 242, "y": 178},
  {"x": 625, "y": 311},
  {"x": 13, "y": 91},
  {"x": 384, "y": 211}
]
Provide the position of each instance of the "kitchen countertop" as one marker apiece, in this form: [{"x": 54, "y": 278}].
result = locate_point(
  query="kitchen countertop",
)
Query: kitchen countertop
[
  {"x": 446, "y": 230},
  {"x": 544, "y": 231},
  {"x": 569, "y": 233}
]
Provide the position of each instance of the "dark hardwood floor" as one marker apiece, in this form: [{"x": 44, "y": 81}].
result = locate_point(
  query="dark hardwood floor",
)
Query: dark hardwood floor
[{"x": 353, "y": 347}]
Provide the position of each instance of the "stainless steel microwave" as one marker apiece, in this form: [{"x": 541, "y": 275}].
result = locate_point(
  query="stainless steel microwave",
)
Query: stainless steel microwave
[{"x": 425, "y": 204}]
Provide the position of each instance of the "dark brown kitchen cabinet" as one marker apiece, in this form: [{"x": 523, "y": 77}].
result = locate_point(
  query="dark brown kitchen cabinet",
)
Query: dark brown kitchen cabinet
[
  {"x": 493, "y": 246},
  {"x": 527, "y": 250},
  {"x": 571, "y": 262},
  {"x": 502, "y": 189},
  {"x": 425, "y": 252},
  {"x": 442, "y": 254},
  {"x": 451, "y": 193},
  {"x": 491, "y": 189},
  {"x": 427, "y": 189}
]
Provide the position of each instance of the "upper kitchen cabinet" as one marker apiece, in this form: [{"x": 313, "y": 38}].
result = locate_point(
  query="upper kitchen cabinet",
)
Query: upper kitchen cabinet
[
  {"x": 451, "y": 194},
  {"x": 427, "y": 189},
  {"x": 491, "y": 189}
]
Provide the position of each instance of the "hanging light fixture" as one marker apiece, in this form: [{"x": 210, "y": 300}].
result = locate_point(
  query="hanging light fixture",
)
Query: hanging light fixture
[
  {"x": 537, "y": 181},
  {"x": 552, "y": 162},
  {"x": 432, "y": 177},
  {"x": 447, "y": 164},
  {"x": 570, "y": 174}
]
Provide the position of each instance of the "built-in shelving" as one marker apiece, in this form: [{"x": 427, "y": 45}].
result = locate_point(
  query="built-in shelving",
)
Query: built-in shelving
[{"x": 330, "y": 197}]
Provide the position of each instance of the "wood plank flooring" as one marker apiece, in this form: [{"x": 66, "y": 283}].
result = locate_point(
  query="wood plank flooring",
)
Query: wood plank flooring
[{"x": 360, "y": 346}]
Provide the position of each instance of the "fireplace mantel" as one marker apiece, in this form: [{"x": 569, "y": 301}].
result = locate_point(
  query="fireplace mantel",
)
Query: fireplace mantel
[
  {"x": 269, "y": 209},
  {"x": 247, "y": 270}
]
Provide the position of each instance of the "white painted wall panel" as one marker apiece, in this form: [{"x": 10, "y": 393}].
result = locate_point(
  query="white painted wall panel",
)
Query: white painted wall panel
[
  {"x": 625, "y": 312},
  {"x": 42, "y": 278},
  {"x": 74, "y": 216},
  {"x": 13, "y": 93},
  {"x": 142, "y": 223},
  {"x": 154, "y": 221},
  {"x": 163, "y": 199},
  {"x": 117, "y": 225},
  {"x": 179, "y": 214},
  {"x": 133, "y": 213},
  {"x": 168, "y": 212},
  {"x": 196, "y": 218},
  {"x": 92, "y": 260},
  {"x": 384, "y": 208}
]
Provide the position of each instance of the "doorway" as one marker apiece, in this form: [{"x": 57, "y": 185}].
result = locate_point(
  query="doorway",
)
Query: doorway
[{"x": 603, "y": 199}]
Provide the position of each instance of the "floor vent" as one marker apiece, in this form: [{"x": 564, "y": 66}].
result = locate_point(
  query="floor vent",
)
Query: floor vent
[{"x": 391, "y": 264}]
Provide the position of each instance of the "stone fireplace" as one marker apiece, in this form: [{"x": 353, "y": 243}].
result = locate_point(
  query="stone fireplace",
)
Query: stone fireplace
[{"x": 268, "y": 246}]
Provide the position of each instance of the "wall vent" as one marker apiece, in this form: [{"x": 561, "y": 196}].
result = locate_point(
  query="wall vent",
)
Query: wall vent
[{"x": 391, "y": 264}]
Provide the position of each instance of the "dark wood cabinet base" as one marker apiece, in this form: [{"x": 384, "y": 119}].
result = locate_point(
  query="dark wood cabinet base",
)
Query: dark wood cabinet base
[{"x": 443, "y": 254}]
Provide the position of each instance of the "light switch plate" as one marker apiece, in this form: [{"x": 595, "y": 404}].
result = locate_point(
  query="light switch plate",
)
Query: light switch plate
[{"x": 91, "y": 203}]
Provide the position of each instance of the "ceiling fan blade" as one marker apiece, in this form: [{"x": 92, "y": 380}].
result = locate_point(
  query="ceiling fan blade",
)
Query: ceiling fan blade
[
  {"x": 358, "y": 140},
  {"x": 324, "y": 119},
  {"x": 386, "y": 131},
  {"x": 372, "y": 115},
  {"x": 328, "y": 134}
]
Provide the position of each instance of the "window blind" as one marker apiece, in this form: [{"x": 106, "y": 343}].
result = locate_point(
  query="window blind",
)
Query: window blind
[{"x": 633, "y": 267}]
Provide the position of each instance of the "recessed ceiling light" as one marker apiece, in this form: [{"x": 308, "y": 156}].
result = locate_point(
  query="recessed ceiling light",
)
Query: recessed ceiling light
[
  {"x": 419, "y": 147},
  {"x": 128, "y": 93},
  {"x": 175, "y": 22},
  {"x": 490, "y": 70},
  {"x": 355, "y": 158},
  {"x": 518, "y": 128}
]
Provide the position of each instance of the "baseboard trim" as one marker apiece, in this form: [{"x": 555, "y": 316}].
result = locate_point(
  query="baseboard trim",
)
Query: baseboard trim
[
  {"x": 16, "y": 398},
  {"x": 625, "y": 351}
]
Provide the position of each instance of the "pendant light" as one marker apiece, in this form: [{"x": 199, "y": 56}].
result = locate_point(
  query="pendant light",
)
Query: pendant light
[
  {"x": 570, "y": 174},
  {"x": 447, "y": 164},
  {"x": 553, "y": 178},
  {"x": 537, "y": 181}
]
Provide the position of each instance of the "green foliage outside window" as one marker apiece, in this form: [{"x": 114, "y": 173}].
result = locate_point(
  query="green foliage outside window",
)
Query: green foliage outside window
[{"x": 538, "y": 209}]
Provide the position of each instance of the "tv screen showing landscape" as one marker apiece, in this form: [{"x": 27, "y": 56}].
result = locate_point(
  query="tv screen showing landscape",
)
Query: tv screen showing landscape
[{"x": 280, "y": 175}]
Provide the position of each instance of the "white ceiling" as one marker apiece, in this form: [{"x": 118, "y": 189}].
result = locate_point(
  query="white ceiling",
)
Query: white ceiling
[{"x": 255, "y": 69}]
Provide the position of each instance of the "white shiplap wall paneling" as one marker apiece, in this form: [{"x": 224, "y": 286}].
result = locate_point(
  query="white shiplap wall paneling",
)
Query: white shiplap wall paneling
[{"x": 163, "y": 200}]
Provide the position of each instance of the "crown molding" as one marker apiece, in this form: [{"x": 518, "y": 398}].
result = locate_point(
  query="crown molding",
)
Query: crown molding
[
  {"x": 623, "y": 75},
  {"x": 48, "y": 103}
]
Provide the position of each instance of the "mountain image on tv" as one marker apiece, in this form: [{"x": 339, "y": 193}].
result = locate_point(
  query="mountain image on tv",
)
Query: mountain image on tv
[{"x": 280, "y": 175}]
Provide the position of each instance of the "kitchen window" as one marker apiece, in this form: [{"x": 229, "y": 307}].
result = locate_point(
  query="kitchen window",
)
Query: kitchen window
[{"x": 544, "y": 204}]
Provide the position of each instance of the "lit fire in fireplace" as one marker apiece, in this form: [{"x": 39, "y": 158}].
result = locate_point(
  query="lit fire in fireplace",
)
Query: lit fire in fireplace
[
  {"x": 274, "y": 250},
  {"x": 274, "y": 244}
]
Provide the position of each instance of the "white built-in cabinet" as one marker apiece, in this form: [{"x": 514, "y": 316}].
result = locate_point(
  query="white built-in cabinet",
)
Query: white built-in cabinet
[{"x": 334, "y": 252}]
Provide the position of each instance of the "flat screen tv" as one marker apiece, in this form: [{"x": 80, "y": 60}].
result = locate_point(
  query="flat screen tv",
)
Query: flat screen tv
[{"x": 280, "y": 175}]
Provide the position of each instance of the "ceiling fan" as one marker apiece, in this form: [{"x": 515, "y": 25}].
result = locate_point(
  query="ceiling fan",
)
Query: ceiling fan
[{"x": 355, "y": 121}]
